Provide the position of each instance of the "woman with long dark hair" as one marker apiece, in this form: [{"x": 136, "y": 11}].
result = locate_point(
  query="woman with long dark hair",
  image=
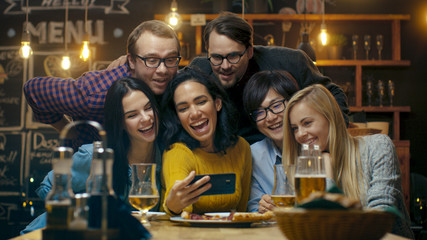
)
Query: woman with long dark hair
[
  {"x": 131, "y": 123},
  {"x": 200, "y": 136}
]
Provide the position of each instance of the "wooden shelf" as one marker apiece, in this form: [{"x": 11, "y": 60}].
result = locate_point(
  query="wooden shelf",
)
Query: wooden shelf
[
  {"x": 307, "y": 17},
  {"x": 381, "y": 109},
  {"x": 396, "y": 110},
  {"x": 388, "y": 63},
  {"x": 393, "y": 19},
  {"x": 404, "y": 156}
]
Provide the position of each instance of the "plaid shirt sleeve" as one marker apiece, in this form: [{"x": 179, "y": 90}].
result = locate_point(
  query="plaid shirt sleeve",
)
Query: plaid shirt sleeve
[{"x": 82, "y": 98}]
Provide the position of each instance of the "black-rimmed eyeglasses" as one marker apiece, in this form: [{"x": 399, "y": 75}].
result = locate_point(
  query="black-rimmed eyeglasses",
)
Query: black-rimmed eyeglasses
[
  {"x": 261, "y": 113},
  {"x": 232, "y": 58},
  {"x": 154, "y": 62}
]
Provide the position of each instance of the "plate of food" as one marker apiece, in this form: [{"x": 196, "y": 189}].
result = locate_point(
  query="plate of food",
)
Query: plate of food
[{"x": 222, "y": 219}]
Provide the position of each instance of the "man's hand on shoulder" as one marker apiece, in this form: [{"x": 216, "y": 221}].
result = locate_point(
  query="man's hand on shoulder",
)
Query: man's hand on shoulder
[{"x": 118, "y": 62}]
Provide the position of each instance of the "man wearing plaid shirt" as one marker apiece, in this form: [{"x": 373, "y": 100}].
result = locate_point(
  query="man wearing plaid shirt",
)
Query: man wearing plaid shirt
[{"x": 153, "y": 55}]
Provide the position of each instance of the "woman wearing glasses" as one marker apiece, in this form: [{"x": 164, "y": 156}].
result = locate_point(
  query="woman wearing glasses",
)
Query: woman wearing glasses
[
  {"x": 201, "y": 138},
  {"x": 265, "y": 97}
]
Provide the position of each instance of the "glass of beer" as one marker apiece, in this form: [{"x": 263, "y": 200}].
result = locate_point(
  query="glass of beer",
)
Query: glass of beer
[
  {"x": 143, "y": 193},
  {"x": 283, "y": 191},
  {"x": 310, "y": 176}
]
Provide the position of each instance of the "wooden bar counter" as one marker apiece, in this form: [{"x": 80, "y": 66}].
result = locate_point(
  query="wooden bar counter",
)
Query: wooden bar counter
[{"x": 164, "y": 229}]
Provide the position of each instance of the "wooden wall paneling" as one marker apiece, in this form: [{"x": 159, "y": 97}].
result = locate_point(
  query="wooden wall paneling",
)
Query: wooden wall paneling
[{"x": 403, "y": 153}]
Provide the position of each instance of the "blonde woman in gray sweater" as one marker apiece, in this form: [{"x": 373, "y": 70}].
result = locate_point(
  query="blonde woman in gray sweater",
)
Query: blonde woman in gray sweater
[{"x": 365, "y": 168}]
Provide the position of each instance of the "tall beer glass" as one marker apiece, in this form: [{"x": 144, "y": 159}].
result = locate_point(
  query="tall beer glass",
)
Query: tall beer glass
[
  {"x": 143, "y": 193},
  {"x": 283, "y": 194},
  {"x": 310, "y": 176}
]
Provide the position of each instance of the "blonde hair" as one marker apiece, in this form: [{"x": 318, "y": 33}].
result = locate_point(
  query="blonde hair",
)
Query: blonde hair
[{"x": 344, "y": 149}]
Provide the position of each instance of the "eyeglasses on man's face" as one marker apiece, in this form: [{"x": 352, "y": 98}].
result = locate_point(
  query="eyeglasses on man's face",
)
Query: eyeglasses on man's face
[
  {"x": 154, "y": 62},
  {"x": 261, "y": 113},
  {"x": 232, "y": 58}
]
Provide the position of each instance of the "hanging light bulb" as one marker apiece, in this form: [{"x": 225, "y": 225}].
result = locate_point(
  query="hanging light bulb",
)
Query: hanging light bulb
[
  {"x": 323, "y": 34},
  {"x": 173, "y": 18},
  {"x": 85, "y": 53},
  {"x": 323, "y": 31},
  {"x": 66, "y": 63},
  {"x": 26, "y": 51}
]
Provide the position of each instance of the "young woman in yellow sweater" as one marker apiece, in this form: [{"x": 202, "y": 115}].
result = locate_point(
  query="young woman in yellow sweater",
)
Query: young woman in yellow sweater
[{"x": 199, "y": 131}]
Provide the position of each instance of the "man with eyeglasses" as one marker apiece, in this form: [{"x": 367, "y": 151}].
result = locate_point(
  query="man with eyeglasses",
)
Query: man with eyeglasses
[
  {"x": 232, "y": 59},
  {"x": 153, "y": 55}
]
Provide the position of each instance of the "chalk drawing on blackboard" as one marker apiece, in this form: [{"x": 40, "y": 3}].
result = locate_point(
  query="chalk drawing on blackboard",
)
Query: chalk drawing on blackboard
[
  {"x": 14, "y": 68},
  {"x": 11, "y": 162},
  {"x": 5, "y": 209},
  {"x": 38, "y": 155},
  {"x": 12, "y": 77},
  {"x": 109, "y": 6},
  {"x": 2, "y": 142},
  {"x": 3, "y": 75},
  {"x": 48, "y": 63}
]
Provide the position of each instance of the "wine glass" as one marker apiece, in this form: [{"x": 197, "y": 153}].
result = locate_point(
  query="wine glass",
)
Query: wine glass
[
  {"x": 355, "y": 38},
  {"x": 283, "y": 194},
  {"x": 379, "y": 45},
  {"x": 369, "y": 92},
  {"x": 143, "y": 194},
  {"x": 310, "y": 176},
  {"x": 367, "y": 44},
  {"x": 380, "y": 92},
  {"x": 391, "y": 91}
]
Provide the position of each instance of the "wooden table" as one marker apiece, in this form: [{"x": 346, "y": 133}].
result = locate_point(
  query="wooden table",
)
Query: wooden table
[{"x": 164, "y": 229}]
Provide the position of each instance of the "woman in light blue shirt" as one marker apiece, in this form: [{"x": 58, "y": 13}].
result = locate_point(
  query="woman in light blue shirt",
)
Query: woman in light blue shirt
[
  {"x": 264, "y": 98},
  {"x": 131, "y": 123}
]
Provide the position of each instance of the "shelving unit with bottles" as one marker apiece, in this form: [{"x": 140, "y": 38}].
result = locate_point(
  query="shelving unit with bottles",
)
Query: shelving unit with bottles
[{"x": 393, "y": 21}]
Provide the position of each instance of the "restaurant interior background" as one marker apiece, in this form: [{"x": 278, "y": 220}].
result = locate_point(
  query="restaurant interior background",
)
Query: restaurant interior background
[{"x": 25, "y": 145}]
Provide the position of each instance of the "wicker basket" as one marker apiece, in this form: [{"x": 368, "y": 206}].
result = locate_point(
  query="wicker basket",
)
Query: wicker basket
[
  {"x": 363, "y": 131},
  {"x": 313, "y": 224}
]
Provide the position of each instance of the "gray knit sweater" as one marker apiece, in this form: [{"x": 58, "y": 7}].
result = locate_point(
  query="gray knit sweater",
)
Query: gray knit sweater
[{"x": 381, "y": 168}]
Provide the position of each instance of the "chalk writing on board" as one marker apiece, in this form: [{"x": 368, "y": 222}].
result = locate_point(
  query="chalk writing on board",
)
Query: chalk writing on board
[
  {"x": 109, "y": 6},
  {"x": 11, "y": 82},
  {"x": 43, "y": 148},
  {"x": 10, "y": 161}
]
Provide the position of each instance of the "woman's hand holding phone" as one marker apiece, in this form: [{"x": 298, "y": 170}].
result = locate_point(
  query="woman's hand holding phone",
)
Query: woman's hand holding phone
[{"x": 183, "y": 193}]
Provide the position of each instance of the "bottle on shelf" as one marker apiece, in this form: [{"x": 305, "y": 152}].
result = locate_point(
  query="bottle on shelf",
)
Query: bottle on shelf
[
  {"x": 92, "y": 175},
  {"x": 95, "y": 187},
  {"x": 58, "y": 203}
]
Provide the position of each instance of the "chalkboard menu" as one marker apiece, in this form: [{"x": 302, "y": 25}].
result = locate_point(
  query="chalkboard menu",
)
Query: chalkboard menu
[
  {"x": 11, "y": 83},
  {"x": 11, "y": 162},
  {"x": 40, "y": 146}
]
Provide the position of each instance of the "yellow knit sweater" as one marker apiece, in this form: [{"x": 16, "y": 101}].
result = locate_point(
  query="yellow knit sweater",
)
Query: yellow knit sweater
[{"x": 179, "y": 161}]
